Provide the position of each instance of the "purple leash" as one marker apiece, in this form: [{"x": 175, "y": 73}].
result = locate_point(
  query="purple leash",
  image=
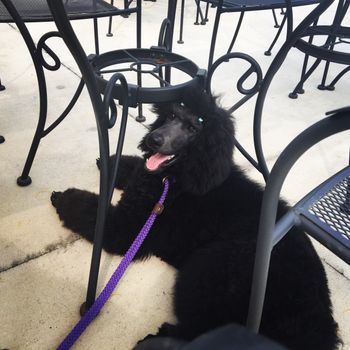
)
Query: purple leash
[{"x": 83, "y": 323}]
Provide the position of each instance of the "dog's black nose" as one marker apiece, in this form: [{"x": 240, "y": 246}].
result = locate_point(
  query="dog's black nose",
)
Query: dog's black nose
[{"x": 155, "y": 140}]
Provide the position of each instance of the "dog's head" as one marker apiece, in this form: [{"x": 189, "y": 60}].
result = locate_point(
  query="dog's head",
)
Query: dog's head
[{"x": 191, "y": 141}]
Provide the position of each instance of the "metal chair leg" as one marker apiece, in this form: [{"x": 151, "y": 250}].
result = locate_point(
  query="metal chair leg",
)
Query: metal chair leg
[
  {"x": 97, "y": 45},
  {"x": 206, "y": 19},
  {"x": 281, "y": 26},
  {"x": 213, "y": 38},
  {"x": 275, "y": 19},
  {"x": 2, "y": 87},
  {"x": 180, "y": 41},
  {"x": 299, "y": 87},
  {"x": 24, "y": 179},
  {"x": 238, "y": 27},
  {"x": 331, "y": 86},
  {"x": 199, "y": 13}
]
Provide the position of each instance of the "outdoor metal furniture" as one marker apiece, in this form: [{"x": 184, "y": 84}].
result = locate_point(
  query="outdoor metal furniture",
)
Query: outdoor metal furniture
[
  {"x": 21, "y": 11},
  {"x": 203, "y": 18},
  {"x": 126, "y": 6},
  {"x": 243, "y": 6},
  {"x": 325, "y": 212},
  {"x": 159, "y": 63},
  {"x": 2, "y": 88},
  {"x": 335, "y": 34}
]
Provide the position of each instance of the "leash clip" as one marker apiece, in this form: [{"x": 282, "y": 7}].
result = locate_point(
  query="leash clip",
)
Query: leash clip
[{"x": 165, "y": 178}]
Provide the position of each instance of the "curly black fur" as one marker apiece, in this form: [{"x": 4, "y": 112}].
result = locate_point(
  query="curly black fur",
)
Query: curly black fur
[{"x": 208, "y": 232}]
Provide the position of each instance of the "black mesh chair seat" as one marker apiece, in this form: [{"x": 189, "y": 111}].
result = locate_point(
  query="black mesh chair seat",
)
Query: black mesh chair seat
[
  {"x": 38, "y": 10},
  {"x": 326, "y": 211},
  {"x": 255, "y": 5},
  {"x": 243, "y": 6}
]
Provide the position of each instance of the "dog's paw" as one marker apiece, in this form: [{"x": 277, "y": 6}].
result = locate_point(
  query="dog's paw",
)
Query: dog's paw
[
  {"x": 152, "y": 342},
  {"x": 147, "y": 337},
  {"x": 55, "y": 197}
]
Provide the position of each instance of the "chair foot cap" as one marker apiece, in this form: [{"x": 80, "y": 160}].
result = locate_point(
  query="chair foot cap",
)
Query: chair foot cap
[
  {"x": 83, "y": 309},
  {"x": 321, "y": 87},
  {"x": 180, "y": 41},
  {"x": 267, "y": 53},
  {"x": 109, "y": 34},
  {"x": 140, "y": 118},
  {"x": 293, "y": 95},
  {"x": 24, "y": 182}
]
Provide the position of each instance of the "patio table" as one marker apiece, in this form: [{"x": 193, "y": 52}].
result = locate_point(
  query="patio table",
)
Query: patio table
[
  {"x": 160, "y": 58},
  {"x": 26, "y": 11}
]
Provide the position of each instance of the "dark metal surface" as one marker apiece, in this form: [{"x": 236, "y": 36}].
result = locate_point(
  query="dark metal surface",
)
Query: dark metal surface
[
  {"x": 242, "y": 6},
  {"x": 329, "y": 50},
  {"x": 38, "y": 10},
  {"x": 156, "y": 61}
]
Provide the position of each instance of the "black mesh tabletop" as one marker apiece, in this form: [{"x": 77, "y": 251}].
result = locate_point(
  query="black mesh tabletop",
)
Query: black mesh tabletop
[{"x": 38, "y": 10}]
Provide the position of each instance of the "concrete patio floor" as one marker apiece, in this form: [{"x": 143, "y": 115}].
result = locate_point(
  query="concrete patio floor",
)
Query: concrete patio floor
[{"x": 43, "y": 266}]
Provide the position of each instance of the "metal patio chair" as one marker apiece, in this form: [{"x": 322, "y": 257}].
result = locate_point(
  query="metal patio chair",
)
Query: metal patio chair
[
  {"x": 95, "y": 70},
  {"x": 202, "y": 19},
  {"x": 127, "y": 4},
  {"x": 23, "y": 11},
  {"x": 325, "y": 212},
  {"x": 329, "y": 52},
  {"x": 243, "y": 6}
]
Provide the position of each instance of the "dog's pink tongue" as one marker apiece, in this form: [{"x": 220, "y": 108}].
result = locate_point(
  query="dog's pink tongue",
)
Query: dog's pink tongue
[{"x": 153, "y": 162}]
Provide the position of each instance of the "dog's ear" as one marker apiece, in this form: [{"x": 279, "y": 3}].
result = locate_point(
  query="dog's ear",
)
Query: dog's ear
[{"x": 209, "y": 159}]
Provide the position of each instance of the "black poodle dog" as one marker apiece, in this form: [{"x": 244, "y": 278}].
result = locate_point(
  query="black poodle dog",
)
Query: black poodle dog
[{"x": 208, "y": 231}]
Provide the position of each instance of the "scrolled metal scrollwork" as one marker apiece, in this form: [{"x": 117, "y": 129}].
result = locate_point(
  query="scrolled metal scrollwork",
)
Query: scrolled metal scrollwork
[
  {"x": 43, "y": 46},
  {"x": 254, "y": 68},
  {"x": 108, "y": 101},
  {"x": 165, "y": 35}
]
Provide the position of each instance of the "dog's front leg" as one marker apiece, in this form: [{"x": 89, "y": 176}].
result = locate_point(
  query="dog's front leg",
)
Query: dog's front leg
[
  {"x": 77, "y": 210},
  {"x": 128, "y": 166}
]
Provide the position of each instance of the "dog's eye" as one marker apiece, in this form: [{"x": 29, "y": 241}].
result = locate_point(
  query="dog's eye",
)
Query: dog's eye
[{"x": 172, "y": 116}]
